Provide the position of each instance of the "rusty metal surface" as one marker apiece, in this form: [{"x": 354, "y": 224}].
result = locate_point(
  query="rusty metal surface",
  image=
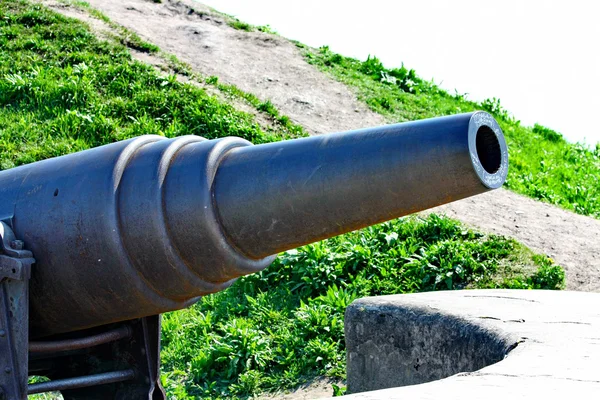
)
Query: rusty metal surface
[
  {"x": 81, "y": 382},
  {"x": 13, "y": 357},
  {"x": 148, "y": 225},
  {"x": 15, "y": 271}
]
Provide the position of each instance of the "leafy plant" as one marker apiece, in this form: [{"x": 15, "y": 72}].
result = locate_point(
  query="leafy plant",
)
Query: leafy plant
[
  {"x": 547, "y": 133},
  {"x": 242, "y": 26}
]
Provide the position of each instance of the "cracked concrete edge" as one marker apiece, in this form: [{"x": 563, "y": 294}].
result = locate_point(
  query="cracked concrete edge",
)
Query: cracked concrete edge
[{"x": 474, "y": 344}]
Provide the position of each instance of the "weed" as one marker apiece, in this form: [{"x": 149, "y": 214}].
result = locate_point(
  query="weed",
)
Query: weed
[
  {"x": 338, "y": 391},
  {"x": 212, "y": 80},
  {"x": 266, "y": 29},
  {"x": 288, "y": 128},
  {"x": 242, "y": 26},
  {"x": 548, "y": 133},
  {"x": 268, "y": 107}
]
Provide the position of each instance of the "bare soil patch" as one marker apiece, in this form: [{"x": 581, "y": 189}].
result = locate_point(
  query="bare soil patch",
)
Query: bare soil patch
[
  {"x": 266, "y": 65},
  {"x": 320, "y": 388}
]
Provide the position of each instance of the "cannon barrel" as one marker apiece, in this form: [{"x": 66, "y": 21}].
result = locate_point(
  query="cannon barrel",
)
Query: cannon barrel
[
  {"x": 147, "y": 225},
  {"x": 283, "y": 195}
]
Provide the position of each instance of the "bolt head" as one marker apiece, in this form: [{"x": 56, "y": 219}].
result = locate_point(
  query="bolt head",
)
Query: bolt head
[
  {"x": 8, "y": 370},
  {"x": 2, "y": 333}
]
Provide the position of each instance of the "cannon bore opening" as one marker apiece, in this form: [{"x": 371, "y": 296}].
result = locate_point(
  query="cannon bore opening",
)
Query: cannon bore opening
[{"x": 488, "y": 149}]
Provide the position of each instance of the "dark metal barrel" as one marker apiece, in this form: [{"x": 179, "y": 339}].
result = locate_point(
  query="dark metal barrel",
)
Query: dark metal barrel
[
  {"x": 148, "y": 225},
  {"x": 283, "y": 195}
]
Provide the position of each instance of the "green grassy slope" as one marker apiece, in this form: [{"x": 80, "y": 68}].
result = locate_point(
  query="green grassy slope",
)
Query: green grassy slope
[
  {"x": 542, "y": 164},
  {"x": 63, "y": 90}
]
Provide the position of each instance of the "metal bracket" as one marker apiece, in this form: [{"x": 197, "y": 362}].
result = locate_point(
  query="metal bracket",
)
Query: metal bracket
[
  {"x": 119, "y": 362},
  {"x": 15, "y": 271}
]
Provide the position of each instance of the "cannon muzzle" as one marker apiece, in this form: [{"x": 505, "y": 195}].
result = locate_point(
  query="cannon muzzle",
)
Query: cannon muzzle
[{"x": 147, "y": 225}]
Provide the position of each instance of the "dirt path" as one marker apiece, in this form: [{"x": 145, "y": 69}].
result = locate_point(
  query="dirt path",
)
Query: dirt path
[
  {"x": 266, "y": 65},
  {"x": 320, "y": 388}
]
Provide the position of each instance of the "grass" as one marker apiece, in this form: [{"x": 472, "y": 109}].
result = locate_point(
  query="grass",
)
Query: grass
[
  {"x": 282, "y": 121},
  {"x": 543, "y": 165},
  {"x": 244, "y": 26},
  {"x": 123, "y": 35},
  {"x": 283, "y": 124},
  {"x": 280, "y": 328},
  {"x": 63, "y": 90}
]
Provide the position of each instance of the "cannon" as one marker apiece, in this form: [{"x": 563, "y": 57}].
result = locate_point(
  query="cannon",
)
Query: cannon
[{"x": 96, "y": 245}]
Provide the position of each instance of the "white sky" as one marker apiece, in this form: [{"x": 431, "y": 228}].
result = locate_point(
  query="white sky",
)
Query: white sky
[{"x": 540, "y": 58}]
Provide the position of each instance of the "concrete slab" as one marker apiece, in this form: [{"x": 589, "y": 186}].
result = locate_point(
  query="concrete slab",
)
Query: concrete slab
[{"x": 473, "y": 344}]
